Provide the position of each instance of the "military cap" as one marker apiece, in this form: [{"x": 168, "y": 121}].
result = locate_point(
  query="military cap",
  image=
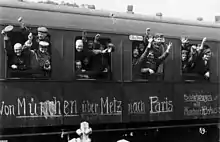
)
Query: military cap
[
  {"x": 158, "y": 35},
  {"x": 184, "y": 51},
  {"x": 206, "y": 51},
  {"x": 42, "y": 29},
  {"x": 17, "y": 45},
  {"x": 111, "y": 45},
  {"x": 43, "y": 43},
  {"x": 8, "y": 28}
]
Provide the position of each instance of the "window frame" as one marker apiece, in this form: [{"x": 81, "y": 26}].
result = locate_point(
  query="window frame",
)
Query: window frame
[
  {"x": 7, "y": 72},
  {"x": 198, "y": 78},
  {"x": 91, "y": 37},
  {"x": 155, "y": 75}
]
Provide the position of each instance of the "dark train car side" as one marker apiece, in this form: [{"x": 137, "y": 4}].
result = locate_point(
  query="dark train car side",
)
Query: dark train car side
[{"x": 63, "y": 101}]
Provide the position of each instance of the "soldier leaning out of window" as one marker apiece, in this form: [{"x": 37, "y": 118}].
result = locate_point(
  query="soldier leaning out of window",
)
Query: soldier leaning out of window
[
  {"x": 151, "y": 58},
  {"x": 95, "y": 55},
  {"x": 153, "y": 62},
  {"x": 80, "y": 72},
  {"x": 19, "y": 59},
  {"x": 196, "y": 58},
  {"x": 42, "y": 58},
  {"x": 200, "y": 60},
  {"x": 42, "y": 35}
]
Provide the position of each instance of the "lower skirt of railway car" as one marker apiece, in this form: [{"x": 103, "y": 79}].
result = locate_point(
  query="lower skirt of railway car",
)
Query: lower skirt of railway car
[{"x": 177, "y": 134}]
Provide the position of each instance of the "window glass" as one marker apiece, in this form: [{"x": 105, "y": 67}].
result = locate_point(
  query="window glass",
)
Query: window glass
[
  {"x": 148, "y": 56},
  {"x": 195, "y": 57},
  {"x": 28, "y": 53},
  {"x": 93, "y": 57}
]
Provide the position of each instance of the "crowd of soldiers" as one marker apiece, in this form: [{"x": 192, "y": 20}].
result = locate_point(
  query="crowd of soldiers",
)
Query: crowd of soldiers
[
  {"x": 148, "y": 56},
  {"x": 93, "y": 58},
  {"x": 93, "y": 55},
  {"x": 195, "y": 57},
  {"x": 29, "y": 58}
]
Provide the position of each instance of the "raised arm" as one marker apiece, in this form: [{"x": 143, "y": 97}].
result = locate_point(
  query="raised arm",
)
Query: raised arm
[
  {"x": 166, "y": 53},
  {"x": 143, "y": 56},
  {"x": 202, "y": 44}
]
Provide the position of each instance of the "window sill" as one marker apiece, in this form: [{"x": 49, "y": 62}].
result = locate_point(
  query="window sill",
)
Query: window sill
[
  {"x": 157, "y": 77},
  {"x": 191, "y": 78}
]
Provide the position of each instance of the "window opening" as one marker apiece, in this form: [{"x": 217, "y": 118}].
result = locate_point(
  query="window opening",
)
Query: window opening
[
  {"x": 148, "y": 56},
  {"x": 195, "y": 58},
  {"x": 28, "y": 54},
  {"x": 93, "y": 57}
]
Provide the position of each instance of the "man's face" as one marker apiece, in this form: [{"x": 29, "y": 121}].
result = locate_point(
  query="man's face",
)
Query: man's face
[
  {"x": 90, "y": 44},
  {"x": 193, "y": 49},
  {"x": 184, "y": 56},
  {"x": 79, "y": 46},
  {"x": 78, "y": 65},
  {"x": 43, "y": 49},
  {"x": 150, "y": 55},
  {"x": 159, "y": 39},
  {"x": 41, "y": 35},
  {"x": 141, "y": 47},
  {"x": 135, "y": 52},
  {"x": 18, "y": 50},
  {"x": 207, "y": 56},
  {"x": 86, "y": 61}
]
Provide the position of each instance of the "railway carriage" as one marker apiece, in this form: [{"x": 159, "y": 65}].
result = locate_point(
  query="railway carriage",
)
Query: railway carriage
[{"x": 119, "y": 104}]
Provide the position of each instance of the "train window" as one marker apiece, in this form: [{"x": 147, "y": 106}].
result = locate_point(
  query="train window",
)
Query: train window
[
  {"x": 28, "y": 55},
  {"x": 147, "y": 58},
  {"x": 93, "y": 58},
  {"x": 195, "y": 58}
]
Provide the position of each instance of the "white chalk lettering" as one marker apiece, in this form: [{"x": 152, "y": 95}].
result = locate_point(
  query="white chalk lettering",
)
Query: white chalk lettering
[
  {"x": 202, "y": 111},
  {"x": 73, "y": 107},
  {"x": 199, "y": 103},
  {"x": 7, "y": 109},
  {"x": 137, "y": 107},
  {"x": 110, "y": 107},
  {"x": 157, "y": 106},
  {"x": 21, "y": 105},
  {"x": 2, "y": 107},
  {"x": 30, "y": 107},
  {"x": 197, "y": 98},
  {"x": 89, "y": 107},
  {"x": 66, "y": 104}
]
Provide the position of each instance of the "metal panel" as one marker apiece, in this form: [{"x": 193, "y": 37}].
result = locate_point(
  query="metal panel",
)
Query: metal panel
[
  {"x": 94, "y": 102},
  {"x": 149, "y": 102},
  {"x": 196, "y": 101},
  {"x": 107, "y": 24},
  {"x": 28, "y": 104}
]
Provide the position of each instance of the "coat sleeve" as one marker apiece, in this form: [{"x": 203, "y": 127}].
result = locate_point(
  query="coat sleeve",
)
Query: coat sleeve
[{"x": 33, "y": 58}]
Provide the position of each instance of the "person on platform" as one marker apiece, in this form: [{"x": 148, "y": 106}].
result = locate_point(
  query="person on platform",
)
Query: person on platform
[{"x": 84, "y": 131}]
